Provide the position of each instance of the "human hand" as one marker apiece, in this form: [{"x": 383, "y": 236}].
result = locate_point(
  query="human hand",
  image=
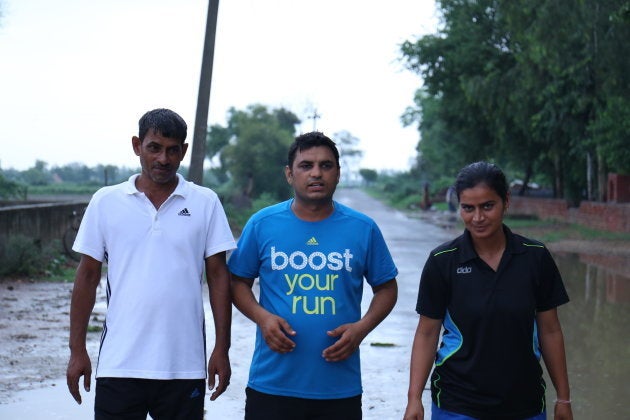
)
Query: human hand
[
  {"x": 350, "y": 337},
  {"x": 79, "y": 365},
  {"x": 414, "y": 410},
  {"x": 219, "y": 366},
  {"x": 562, "y": 411},
  {"x": 275, "y": 330}
]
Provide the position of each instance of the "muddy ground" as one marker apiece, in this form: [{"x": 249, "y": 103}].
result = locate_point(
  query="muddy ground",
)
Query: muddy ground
[{"x": 34, "y": 325}]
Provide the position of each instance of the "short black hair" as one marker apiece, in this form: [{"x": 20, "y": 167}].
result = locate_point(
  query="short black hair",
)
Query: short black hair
[
  {"x": 482, "y": 173},
  {"x": 309, "y": 140},
  {"x": 164, "y": 122}
]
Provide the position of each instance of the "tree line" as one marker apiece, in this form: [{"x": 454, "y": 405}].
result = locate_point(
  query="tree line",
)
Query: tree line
[
  {"x": 541, "y": 87},
  {"x": 245, "y": 161}
]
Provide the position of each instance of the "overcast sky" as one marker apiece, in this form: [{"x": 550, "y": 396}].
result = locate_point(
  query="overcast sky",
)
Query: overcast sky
[{"x": 76, "y": 75}]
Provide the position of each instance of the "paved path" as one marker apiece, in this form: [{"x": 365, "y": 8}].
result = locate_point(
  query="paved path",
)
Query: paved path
[{"x": 410, "y": 241}]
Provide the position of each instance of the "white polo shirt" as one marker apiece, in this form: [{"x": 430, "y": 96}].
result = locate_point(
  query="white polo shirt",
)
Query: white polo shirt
[{"x": 154, "y": 325}]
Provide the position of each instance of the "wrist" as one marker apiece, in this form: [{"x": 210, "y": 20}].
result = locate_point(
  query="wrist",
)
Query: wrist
[
  {"x": 562, "y": 401},
  {"x": 221, "y": 346},
  {"x": 77, "y": 347}
]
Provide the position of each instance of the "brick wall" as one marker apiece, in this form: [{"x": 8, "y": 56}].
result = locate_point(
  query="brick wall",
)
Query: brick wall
[
  {"x": 613, "y": 217},
  {"x": 618, "y": 188},
  {"x": 543, "y": 208}
]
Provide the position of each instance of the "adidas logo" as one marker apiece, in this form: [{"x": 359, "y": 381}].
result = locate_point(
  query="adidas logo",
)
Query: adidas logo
[
  {"x": 312, "y": 241},
  {"x": 184, "y": 212},
  {"x": 464, "y": 270}
]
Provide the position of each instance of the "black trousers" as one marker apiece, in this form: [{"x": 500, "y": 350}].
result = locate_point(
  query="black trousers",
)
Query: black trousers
[
  {"x": 261, "y": 406},
  {"x": 133, "y": 399}
]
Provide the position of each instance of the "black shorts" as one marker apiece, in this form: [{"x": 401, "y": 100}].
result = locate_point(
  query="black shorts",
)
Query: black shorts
[
  {"x": 133, "y": 399},
  {"x": 261, "y": 406}
]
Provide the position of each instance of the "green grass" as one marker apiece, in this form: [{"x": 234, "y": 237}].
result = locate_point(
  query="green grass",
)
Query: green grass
[
  {"x": 63, "y": 274},
  {"x": 441, "y": 206}
]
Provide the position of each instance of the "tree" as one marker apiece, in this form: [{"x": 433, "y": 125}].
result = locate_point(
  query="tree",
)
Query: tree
[
  {"x": 11, "y": 189},
  {"x": 498, "y": 87},
  {"x": 252, "y": 150},
  {"x": 369, "y": 175},
  {"x": 452, "y": 63},
  {"x": 38, "y": 174}
]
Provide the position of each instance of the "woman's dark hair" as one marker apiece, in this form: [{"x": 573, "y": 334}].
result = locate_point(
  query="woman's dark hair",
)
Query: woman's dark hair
[
  {"x": 482, "y": 173},
  {"x": 163, "y": 121},
  {"x": 309, "y": 140}
]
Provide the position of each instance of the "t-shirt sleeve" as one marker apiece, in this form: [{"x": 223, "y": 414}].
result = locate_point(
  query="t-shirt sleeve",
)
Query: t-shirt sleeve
[
  {"x": 219, "y": 236},
  {"x": 244, "y": 261},
  {"x": 90, "y": 239},
  {"x": 551, "y": 292},
  {"x": 433, "y": 293},
  {"x": 380, "y": 265}
]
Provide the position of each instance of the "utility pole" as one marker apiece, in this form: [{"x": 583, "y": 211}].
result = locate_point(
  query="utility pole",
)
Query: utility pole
[
  {"x": 314, "y": 117},
  {"x": 198, "y": 153}
]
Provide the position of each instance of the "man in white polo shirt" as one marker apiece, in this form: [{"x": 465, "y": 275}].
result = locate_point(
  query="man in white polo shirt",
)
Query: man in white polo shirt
[{"x": 158, "y": 234}]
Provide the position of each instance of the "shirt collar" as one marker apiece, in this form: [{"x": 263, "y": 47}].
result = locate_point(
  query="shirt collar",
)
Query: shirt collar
[
  {"x": 512, "y": 245},
  {"x": 181, "y": 189}
]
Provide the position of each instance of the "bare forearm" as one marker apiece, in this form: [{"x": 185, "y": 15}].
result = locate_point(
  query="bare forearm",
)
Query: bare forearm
[
  {"x": 245, "y": 300},
  {"x": 555, "y": 360},
  {"x": 80, "y": 311},
  {"x": 553, "y": 352},
  {"x": 221, "y": 304},
  {"x": 382, "y": 303},
  {"x": 218, "y": 278},
  {"x": 82, "y": 302},
  {"x": 422, "y": 356}
]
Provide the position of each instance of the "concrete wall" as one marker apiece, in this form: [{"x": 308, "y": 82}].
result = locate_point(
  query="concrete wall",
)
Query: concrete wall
[
  {"x": 613, "y": 217},
  {"x": 42, "y": 222}
]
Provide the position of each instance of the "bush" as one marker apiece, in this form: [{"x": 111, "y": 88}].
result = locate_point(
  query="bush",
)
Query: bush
[
  {"x": 11, "y": 190},
  {"x": 24, "y": 256}
]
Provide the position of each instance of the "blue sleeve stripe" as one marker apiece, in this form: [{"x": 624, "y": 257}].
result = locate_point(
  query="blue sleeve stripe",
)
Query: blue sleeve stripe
[
  {"x": 536, "y": 342},
  {"x": 452, "y": 340}
]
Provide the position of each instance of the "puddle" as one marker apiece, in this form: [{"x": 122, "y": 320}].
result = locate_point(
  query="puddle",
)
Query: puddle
[{"x": 597, "y": 333}]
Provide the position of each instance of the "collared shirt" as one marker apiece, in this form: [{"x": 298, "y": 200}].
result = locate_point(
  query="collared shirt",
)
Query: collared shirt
[
  {"x": 488, "y": 361},
  {"x": 154, "y": 327}
]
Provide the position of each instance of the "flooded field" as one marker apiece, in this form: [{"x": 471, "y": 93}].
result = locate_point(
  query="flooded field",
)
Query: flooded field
[{"x": 596, "y": 325}]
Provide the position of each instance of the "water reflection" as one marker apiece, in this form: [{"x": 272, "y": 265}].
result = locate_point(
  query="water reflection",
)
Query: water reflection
[{"x": 596, "y": 326}]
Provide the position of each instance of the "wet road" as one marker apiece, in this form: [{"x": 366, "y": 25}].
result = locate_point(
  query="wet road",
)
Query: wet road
[{"x": 409, "y": 241}]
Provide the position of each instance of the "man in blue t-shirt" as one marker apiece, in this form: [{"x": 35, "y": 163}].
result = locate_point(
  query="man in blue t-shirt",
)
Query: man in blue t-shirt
[{"x": 310, "y": 254}]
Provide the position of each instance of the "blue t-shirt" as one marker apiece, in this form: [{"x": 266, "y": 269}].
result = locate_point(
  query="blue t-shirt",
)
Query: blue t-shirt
[{"x": 311, "y": 274}]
